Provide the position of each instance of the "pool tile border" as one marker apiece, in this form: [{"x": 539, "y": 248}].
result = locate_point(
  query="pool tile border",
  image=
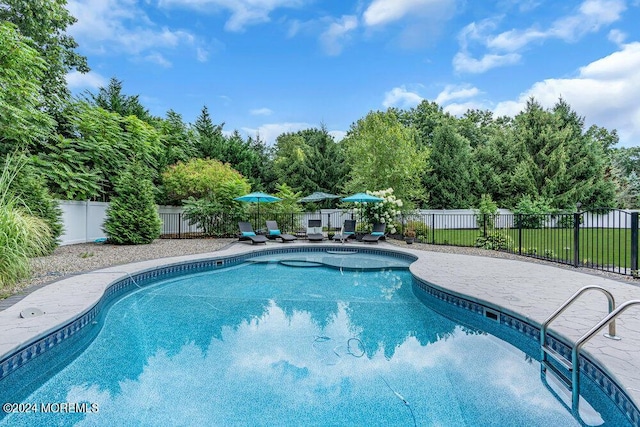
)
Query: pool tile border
[{"x": 587, "y": 366}]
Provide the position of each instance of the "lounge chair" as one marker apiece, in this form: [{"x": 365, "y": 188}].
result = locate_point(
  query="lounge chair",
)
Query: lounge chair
[
  {"x": 247, "y": 233},
  {"x": 273, "y": 232},
  {"x": 314, "y": 230},
  {"x": 376, "y": 234},
  {"x": 348, "y": 231}
]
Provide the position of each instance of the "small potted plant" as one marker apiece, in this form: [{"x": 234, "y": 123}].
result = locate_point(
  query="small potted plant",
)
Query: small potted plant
[{"x": 409, "y": 235}]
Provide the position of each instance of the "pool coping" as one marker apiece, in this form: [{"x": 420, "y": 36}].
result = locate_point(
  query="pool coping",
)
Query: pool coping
[{"x": 519, "y": 291}]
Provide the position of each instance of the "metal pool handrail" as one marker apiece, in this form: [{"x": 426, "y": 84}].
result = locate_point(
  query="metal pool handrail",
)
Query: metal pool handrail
[{"x": 575, "y": 352}]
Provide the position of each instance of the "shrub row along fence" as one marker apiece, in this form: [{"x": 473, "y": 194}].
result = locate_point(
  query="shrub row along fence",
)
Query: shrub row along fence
[{"x": 605, "y": 240}]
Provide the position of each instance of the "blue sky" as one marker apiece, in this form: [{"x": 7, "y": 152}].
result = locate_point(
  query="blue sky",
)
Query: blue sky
[{"x": 274, "y": 66}]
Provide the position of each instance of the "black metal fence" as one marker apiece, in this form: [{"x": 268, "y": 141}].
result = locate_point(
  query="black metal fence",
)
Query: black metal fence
[
  {"x": 602, "y": 239},
  {"x": 178, "y": 226}
]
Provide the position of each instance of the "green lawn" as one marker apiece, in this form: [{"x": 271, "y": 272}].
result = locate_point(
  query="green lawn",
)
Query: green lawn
[{"x": 599, "y": 247}]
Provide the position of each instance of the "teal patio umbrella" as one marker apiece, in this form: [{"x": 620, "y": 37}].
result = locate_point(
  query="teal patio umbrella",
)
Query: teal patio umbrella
[
  {"x": 362, "y": 198},
  {"x": 258, "y": 197}
]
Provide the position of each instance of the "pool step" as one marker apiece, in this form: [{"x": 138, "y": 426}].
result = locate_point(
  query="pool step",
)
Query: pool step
[
  {"x": 558, "y": 357},
  {"x": 550, "y": 367}
]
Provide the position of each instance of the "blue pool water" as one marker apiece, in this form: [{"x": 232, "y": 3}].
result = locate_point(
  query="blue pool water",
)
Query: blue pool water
[{"x": 275, "y": 343}]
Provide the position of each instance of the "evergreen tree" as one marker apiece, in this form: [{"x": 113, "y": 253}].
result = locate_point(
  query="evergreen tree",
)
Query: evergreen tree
[
  {"x": 449, "y": 179},
  {"x": 567, "y": 165},
  {"x": 326, "y": 159},
  {"x": 132, "y": 216},
  {"x": 177, "y": 141},
  {"x": 112, "y": 99},
  {"x": 209, "y": 138},
  {"x": 291, "y": 163}
]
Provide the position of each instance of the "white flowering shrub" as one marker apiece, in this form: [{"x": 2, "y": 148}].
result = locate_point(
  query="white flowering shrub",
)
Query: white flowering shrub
[{"x": 386, "y": 211}]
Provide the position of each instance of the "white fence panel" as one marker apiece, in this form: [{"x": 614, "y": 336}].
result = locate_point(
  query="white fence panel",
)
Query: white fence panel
[{"x": 82, "y": 221}]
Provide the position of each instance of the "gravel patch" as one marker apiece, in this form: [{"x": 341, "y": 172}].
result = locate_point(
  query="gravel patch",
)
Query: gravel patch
[
  {"x": 81, "y": 258},
  {"x": 76, "y": 259}
]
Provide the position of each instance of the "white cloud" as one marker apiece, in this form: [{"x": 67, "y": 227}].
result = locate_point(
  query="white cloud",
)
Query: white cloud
[
  {"x": 590, "y": 17},
  {"x": 105, "y": 26},
  {"x": 617, "y": 37},
  {"x": 463, "y": 62},
  {"x": 421, "y": 20},
  {"x": 382, "y": 12},
  {"x": 451, "y": 92},
  {"x": 202, "y": 54},
  {"x": 605, "y": 92},
  {"x": 158, "y": 59},
  {"x": 401, "y": 97},
  {"x": 243, "y": 12},
  {"x": 333, "y": 38},
  {"x": 270, "y": 131},
  {"x": 90, "y": 80},
  {"x": 261, "y": 112},
  {"x": 503, "y": 48}
]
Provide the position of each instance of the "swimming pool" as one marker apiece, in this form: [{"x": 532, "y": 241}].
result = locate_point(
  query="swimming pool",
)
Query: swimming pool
[{"x": 328, "y": 345}]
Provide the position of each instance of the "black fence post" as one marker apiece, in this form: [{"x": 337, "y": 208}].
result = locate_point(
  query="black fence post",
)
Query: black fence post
[
  {"x": 576, "y": 239},
  {"x": 519, "y": 224},
  {"x": 433, "y": 229},
  {"x": 484, "y": 225},
  {"x": 634, "y": 244}
]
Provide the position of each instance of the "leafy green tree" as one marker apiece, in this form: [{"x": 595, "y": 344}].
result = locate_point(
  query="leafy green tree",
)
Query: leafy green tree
[
  {"x": 104, "y": 143},
  {"x": 204, "y": 178},
  {"x": 177, "y": 140},
  {"x": 67, "y": 168},
  {"x": 426, "y": 117},
  {"x": 288, "y": 205},
  {"x": 487, "y": 212},
  {"x": 383, "y": 153},
  {"x": 45, "y": 23},
  {"x": 449, "y": 180},
  {"x": 531, "y": 212},
  {"x": 132, "y": 216},
  {"x": 22, "y": 122},
  {"x": 207, "y": 187}
]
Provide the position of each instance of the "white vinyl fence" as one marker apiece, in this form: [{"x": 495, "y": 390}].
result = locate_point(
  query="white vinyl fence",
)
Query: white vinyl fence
[{"x": 83, "y": 221}]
